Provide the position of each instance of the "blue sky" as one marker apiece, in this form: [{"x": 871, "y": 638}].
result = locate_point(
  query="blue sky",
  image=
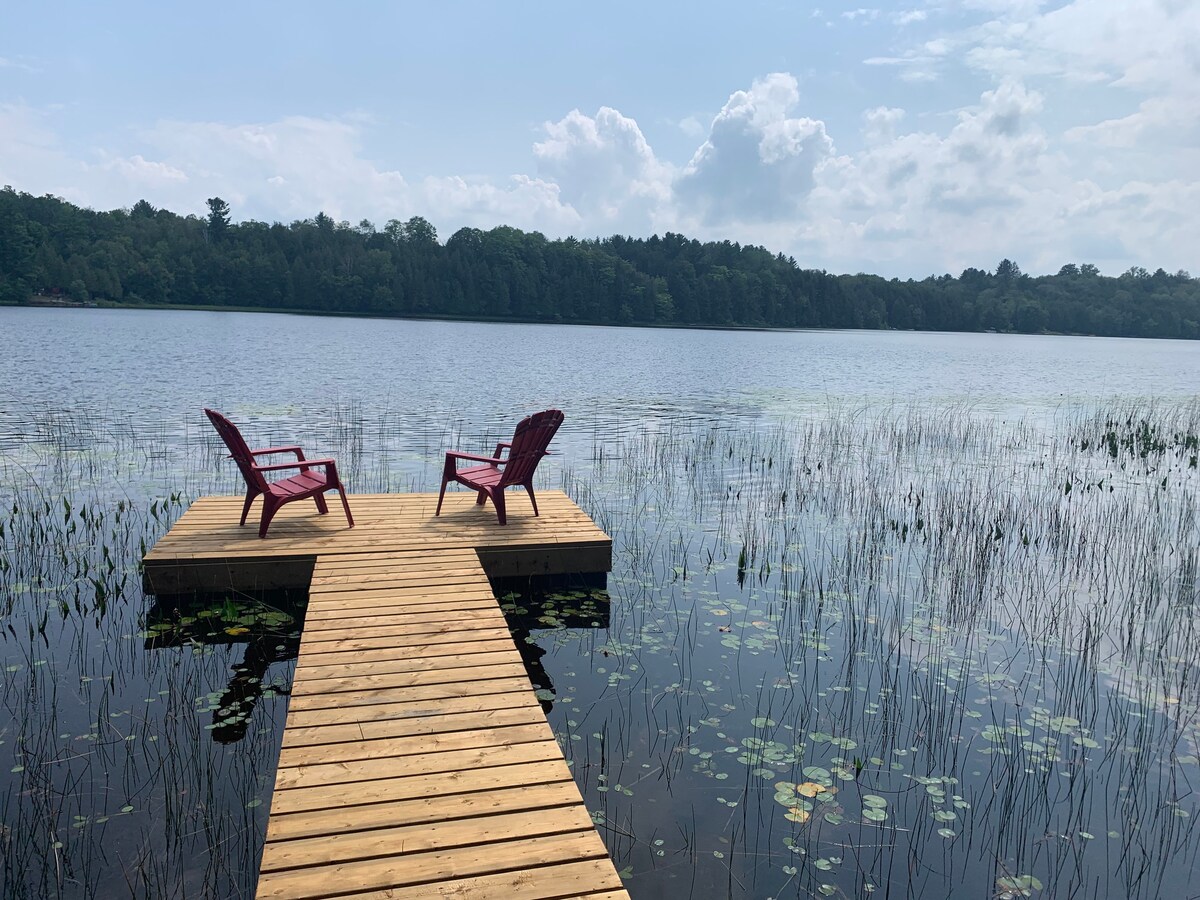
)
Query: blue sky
[{"x": 904, "y": 139}]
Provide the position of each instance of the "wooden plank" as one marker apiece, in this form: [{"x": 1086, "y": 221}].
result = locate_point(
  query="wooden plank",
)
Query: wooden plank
[
  {"x": 393, "y": 841},
  {"x": 352, "y": 617},
  {"x": 427, "y": 627},
  {"x": 390, "y": 710},
  {"x": 445, "y": 625},
  {"x": 207, "y": 567},
  {"x": 575, "y": 880},
  {"x": 407, "y": 663},
  {"x": 420, "y": 764},
  {"x": 444, "y": 808},
  {"x": 392, "y": 728},
  {"x": 420, "y": 638},
  {"x": 367, "y": 617},
  {"x": 373, "y": 576},
  {"x": 349, "y": 604},
  {"x": 444, "y": 724},
  {"x": 359, "y": 681},
  {"x": 440, "y": 784},
  {"x": 349, "y": 590},
  {"x": 485, "y": 734},
  {"x": 419, "y": 655},
  {"x": 420, "y": 869},
  {"x": 167, "y": 575},
  {"x": 426, "y": 694}
]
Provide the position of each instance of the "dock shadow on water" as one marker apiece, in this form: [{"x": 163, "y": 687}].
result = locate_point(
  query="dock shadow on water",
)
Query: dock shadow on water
[
  {"x": 883, "y": 651},
  {"x": 266, "y": 625}
]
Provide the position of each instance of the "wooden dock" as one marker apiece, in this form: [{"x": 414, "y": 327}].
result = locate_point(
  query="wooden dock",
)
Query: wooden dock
[
  {"x": 416, "y": 760},
  {"x": 206, "y": 550}
]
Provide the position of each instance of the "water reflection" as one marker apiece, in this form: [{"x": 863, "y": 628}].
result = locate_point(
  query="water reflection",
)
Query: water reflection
[
  {"x": 537, "y": 605},
  {"x": 267, "y": 624}
]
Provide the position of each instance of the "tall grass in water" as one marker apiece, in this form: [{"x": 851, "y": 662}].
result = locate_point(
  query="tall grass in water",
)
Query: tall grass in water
[
  {"x": 977, "y": 637},
  {"x": 109, "y": 780}
]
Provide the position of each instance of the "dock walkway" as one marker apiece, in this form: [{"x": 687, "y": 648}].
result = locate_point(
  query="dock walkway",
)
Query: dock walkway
[{"x": 416, "y": 760}]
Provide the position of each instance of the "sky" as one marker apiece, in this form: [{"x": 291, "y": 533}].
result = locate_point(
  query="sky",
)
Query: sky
[{"x": 903, "y": 139}]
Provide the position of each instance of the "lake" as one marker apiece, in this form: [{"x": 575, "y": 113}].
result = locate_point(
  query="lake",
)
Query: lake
[{"x": 891, "y": 613}]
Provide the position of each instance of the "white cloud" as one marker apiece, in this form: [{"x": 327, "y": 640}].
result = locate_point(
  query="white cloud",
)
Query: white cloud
[
  {"x": 1133, "y": 66},
  {"x": 1137, "y": 43},
  {"x": 913, "y": 69},
  {"x": 1128, "y": 131},
  {"x": 758, "y": 162},
  {"x": 282, "y": 170},
  {"x": 603, "y": 167},
  {"x": 940, "y": 201},
  {"x": 30, "y": 155},
  {"x": 692, "y": 127},
  {"x": 880, "y": 123},
  {"x": 6, "y": 63},
  {"x": 138, "y": 170}
]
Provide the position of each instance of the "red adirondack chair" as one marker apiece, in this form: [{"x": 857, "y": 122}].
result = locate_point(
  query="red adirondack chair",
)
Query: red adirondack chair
[
  {"x": 525, "y": 451},
  {"x": 308, "y": 483}
]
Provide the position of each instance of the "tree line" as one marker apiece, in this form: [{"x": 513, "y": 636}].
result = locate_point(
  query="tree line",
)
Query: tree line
[{"x": 143, "y": 255}]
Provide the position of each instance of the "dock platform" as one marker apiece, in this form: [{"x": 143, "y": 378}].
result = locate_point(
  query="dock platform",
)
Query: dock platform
[{"x": 416, "y": 759}]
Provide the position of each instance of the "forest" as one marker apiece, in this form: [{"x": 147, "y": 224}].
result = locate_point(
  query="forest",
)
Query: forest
[{"x": 55, "y": 251}]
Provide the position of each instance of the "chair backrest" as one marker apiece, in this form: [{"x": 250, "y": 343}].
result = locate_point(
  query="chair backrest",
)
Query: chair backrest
[
  {"x": 239, "y": 450},
  {"x": 529, "y": 444}
]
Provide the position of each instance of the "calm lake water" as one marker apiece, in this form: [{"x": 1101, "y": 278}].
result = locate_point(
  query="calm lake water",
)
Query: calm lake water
[
  {"x": 892, "y": 614},
  {"x": 154, "y": 370}
]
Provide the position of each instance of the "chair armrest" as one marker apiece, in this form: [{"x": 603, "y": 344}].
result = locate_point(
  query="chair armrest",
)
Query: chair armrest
[
  {"x": 298, "y": 464},
  {"x": 290, "y": 449},
  {"x": 500, "y": 447},
  {"x": 455, "y": 454}
]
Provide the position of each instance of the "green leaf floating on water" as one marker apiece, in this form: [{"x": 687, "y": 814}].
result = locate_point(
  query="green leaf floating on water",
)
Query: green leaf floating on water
[{"x": 1020, "y": 884}]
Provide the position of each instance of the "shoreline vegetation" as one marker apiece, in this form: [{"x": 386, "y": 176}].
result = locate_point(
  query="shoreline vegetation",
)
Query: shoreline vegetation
[{"x": 53, "y": 253}]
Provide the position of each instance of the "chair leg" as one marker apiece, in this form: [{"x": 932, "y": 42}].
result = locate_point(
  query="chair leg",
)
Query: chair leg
[
  {"x": 270, "y": 507},
  {"x": 322, "y": 506},
  {"x": 441, "y": 497},
  {"x": 346, "y": 505},
  {"x": 498, "y": 500},
  {"x": 449, "y": 469},
  {"x": 250, "y": 495},
  {"x": 532, "y": 499},
  {"x": 482, "y": 498}
]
